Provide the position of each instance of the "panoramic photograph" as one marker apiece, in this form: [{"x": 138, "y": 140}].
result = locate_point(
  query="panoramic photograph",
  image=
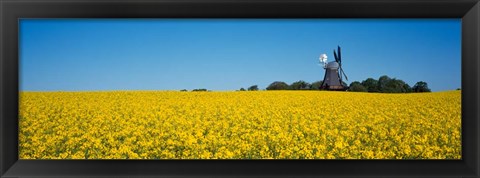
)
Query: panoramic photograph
[{"x": 240, "y": 89}]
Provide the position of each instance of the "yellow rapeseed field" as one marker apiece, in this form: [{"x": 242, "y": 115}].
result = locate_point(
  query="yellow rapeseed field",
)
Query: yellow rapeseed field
[{"x": 239, "y": 125}]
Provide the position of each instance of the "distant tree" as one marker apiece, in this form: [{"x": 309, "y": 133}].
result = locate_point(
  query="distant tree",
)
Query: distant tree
[
  {"x": 316, "y": 85},
  {"x": 395, "y": 86},
  {"x": 184, "y": 90},
  {"x": 382, "y": 83},
  {"x": 355, "y": 83},
  {"x": 201, "y": 89},
  {"x": 407, "y": 88},
  {"x": 309, "y": 85},
  {"x": 458, "y": 89},
  {"x": 390, "y": 85},
  {"x": 277, "y": 85},
  {"x": 299, "y": 85},
  {"x": 253, "y": 88},
  {"x": 370, "y": 84},
  {"x": 421, "y": 86},
  {"x": 242, "y": 89},
  {"x": 357, "y": 87}
]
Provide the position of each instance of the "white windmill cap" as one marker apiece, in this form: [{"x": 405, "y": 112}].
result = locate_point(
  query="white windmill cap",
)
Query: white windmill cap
[{"x": 333, "y": 65}]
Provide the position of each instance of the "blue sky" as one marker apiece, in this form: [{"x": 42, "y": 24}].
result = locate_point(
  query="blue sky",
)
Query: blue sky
[{"x": 227, "y": 54}]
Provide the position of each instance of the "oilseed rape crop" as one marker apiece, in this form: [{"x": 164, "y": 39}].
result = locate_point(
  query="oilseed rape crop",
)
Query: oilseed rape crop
[{"x": 239, "y": 125}]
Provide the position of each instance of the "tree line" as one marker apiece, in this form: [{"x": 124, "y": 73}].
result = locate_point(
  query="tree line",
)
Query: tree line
[
  {"x": 279, "y": 85},
  {"x": 198, "y": 89},
  {"x": 384, "y": 84}
]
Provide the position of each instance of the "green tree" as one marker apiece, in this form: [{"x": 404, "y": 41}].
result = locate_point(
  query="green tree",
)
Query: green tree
[
  {"x": 357, "y": 87},
  {"x": 201, "y": 89},
  {"x": 242, "y": 89},
  {"x": 355, "y": 83},
  {"x": 370, "y": 84},
  {"x": 277, "y": 85},
  {"x": 299, "y": 85},
  {"x": 382, "y": 83},
  {"x": 407, "y": 88},
  {"x": 421, "y": 86},
  {"x": 393, "y": 85},
  {"x": 316, "y": 85},
  {"x": 253, "y": 88}
]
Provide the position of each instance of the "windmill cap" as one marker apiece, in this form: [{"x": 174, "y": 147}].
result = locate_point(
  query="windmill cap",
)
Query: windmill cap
[{"x": 333, "y": 65}]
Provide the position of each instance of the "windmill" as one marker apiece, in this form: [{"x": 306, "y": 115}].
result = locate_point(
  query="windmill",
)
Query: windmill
[{"x": 333, "y": 79}]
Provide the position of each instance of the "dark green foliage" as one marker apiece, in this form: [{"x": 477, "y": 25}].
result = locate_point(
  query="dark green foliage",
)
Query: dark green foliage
[
  {"x": 386, "y": 84},
  {"x": 316, "y": 85},
  {"x": 201, "y": 89},
  {"x": 278, "y": 86},
  {"x": 355, "y": 83},
  {"x": 357, "y": 87},
  {"x": 370, "y": 84},
  {"x": 382, "y": 83},
  {"x": 253, "y": 88},
  {"x": 421, "y": 87},
  {"x": 184, "y": 90},
  {"x": 407, "y": 88},
  {"x": 242, "y": 89},
  {"x": 395, "y": 86},
  {"x": 300, "y": 85}
]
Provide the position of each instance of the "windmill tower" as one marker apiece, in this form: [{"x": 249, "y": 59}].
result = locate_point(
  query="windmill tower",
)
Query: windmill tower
[{"x": 333, "y": 73}]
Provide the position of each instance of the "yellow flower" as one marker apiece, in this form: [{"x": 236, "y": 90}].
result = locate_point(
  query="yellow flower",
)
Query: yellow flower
[{"x": 239, "y": 125}]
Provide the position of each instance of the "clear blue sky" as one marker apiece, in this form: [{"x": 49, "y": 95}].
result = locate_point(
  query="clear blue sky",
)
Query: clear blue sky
[{"x": 227, "y": 54}]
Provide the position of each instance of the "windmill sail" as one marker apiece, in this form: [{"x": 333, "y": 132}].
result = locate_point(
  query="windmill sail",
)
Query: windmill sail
[
  {"x": 339, "y": 56},
  {"x": 335, "y": 55},
  {"x": 346, "y": 78}
]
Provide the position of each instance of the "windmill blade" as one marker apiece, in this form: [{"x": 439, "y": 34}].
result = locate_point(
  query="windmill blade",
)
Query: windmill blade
[
  {"x": 341, "y": 70},
  {"x": 335, "y": 55},
  {"x": 340, "y": 76},
  {"x": 339, "y": 55}
]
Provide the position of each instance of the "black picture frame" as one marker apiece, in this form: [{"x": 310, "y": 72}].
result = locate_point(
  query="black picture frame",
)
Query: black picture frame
[{"x": 12, "y": 10}]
